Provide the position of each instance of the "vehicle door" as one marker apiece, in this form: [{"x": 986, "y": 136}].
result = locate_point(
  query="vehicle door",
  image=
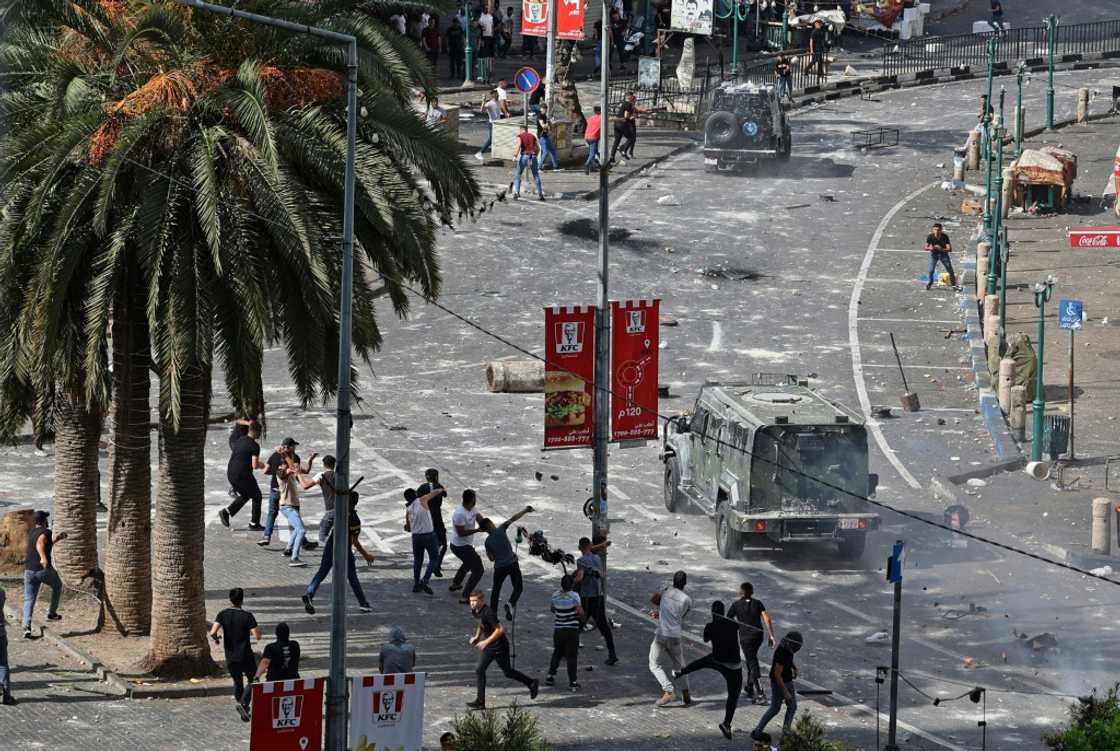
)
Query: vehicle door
[
  {"x": 714, "y": 450},
  {"x": 694, "y": 472}
]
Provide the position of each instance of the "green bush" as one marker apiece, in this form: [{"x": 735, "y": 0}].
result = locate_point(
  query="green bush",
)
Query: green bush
[
  {"x": 807, "y": 734},
  {"x": 487, "y": 730},
  {"x": 1094, "y": 725}
]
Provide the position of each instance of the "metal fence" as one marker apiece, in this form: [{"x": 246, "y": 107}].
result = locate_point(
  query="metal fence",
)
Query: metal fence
[{"x": 1027, "y": 43}]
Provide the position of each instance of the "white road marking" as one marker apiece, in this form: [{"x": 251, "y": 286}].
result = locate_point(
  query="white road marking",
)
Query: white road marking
[
  {"x": 909, "y": 320},
  {"x": 894, "y": 366},
  {"x": 643, "y": 511},
  {"x": 717, "y": 338},
  {"x": 900, "y": 250},
  {"x": 853, "y": 338}
]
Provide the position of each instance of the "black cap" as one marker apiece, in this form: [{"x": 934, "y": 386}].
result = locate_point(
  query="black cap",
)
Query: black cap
[
  {"x": 40, "y": 516},
  {"x": 289, "y": 442}
]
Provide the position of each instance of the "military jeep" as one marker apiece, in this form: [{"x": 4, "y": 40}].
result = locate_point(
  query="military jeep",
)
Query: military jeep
[
  {"x": 747, "y": 123},
  {"x": 771, "y": 461}
]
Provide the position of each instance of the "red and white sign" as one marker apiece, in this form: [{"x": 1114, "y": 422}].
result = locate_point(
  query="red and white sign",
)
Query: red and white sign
[
  {"x": 1094, "y": 237},
  {"x": 387, "y": 712},
  {"x": 569, "y": 375},
  {"x": 634, "y": 369},
  {"x": 287, "y": 715},
  {"x": 569, "y": 18}
]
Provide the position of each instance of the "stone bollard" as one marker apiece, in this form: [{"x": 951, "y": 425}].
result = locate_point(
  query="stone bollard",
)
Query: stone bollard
[
  {"x": 1017, "y": 418},
  {"x": 991, "y": 315},
  {"x": 1006, "y": 370},
  {"x": 515, "y": 376},
  {"x": 973, "y": 146},
  {"x": 983, "y": 250},
  {"x": 1102, "y": 512},
  {"x": 958, "y": 169},
  {"x": 1082, "y": 105},
  {"x": 1005, "y": 194}
]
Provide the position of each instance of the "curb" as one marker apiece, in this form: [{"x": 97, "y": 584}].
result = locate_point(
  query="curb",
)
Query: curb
[{"x": 591, "y": 195}]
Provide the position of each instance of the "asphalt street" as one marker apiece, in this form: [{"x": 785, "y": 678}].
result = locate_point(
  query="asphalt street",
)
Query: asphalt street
[{"x": 803, "y": 269}]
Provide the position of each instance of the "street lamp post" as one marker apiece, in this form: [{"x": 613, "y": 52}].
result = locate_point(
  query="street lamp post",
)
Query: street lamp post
[
  {"x": 1022, "y": 77},
  {"x": 468, "y": 50},
  {"x": 987, "y": 115},
  {"x": 1042, "y": 292},
  {"x": 1004, "y": 257},
  {"x": 733, "y": 13},
  {"x": 997, "y": 214},
  {"x": 1051, "y": 43}
]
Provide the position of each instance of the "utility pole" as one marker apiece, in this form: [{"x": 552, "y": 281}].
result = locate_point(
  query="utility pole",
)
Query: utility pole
[
  {"x": 997, "y": 214},
  {"x": 1042, "y": 292},
  {"x": 336, "y": 684},
  {"x": 987, "y": 118},
  {"x": 894, "y": 574},
  {"x": 599, "y": 523},
  {"x": 1004, "y": 259},
  {"x": 1051, "y": 43},
  {"x": 468, "y": 50},
  {"x": 550, "y": 56},
  {"x": 1021, "y": 74}
]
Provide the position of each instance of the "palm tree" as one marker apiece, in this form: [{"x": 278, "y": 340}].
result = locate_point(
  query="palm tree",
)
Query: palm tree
[{"x": 206, "y": 158}]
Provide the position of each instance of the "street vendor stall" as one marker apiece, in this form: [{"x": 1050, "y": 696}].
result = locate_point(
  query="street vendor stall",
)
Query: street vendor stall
[{"x": 1042, "y": 179}]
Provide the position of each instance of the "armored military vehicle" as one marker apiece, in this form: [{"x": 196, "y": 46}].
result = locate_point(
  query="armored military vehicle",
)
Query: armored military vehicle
[
  {"x": 771, "y": 461},
  {"x": 747, "y": 123}
]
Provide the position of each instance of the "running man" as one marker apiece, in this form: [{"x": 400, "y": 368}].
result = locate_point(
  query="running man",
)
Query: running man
[
  {"x": 291, "y": 477},
  {"x": 671, "y": 607},
  {"x": 490, "y": 639},
  {"x": 327, "y": 562},
  {"x": 500, "y": 551},
  {"x": 287, "y": 448},
  {"x": 464, "y": 524},
  {"x": 754, "y": 624},
  {"x": 39, "y": 570},
  {"x": 782, "y": 674},
  {"x": 722, "y": 634},
  {"x": 237, "y": 626},
  {"x": 418, "y": 521},
  {"x": 244, "y": 459},
  {"x": 280, "y": 660}
]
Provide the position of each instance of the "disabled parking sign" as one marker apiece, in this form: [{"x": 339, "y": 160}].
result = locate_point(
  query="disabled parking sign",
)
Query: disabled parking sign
[{"x": 1071, "y": 313}]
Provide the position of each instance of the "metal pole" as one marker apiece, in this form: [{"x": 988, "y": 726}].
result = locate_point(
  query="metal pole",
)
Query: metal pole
[
  {"x": 599, "y": 522},
  {"x": 892, "y": 725},
  {"x": 1071, "y": 455},
  {"x": 1042, "y": 293},
  {"x": 997, "y": 215},
  {"x": 1051, "y": 28},
  {"x": 550, "y": 56},
  {"x": 735, "y": 36},
  {"x": 1005, "y": 257},
  {"x": 988, "y": 136},
  {"x": 1019, "y": 112},
  {"x": 468, "y": 50}
]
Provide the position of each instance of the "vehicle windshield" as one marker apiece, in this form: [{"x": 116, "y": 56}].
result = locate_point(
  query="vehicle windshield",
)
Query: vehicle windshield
[{"x": 809, "y": 468}]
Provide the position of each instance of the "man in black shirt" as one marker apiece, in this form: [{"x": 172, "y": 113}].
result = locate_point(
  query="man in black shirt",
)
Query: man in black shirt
[
  {"x": 490, "y": 639},
  {"x": 38, "y": 570},
  {"x": 286, "y": 448},
  {"x": 623, "y": 122},
  {"x": 818, "y": 40},
  {"x": 782, "y": 673},
  {"x": 939, "y": 247},
  {"x": 435, "y": 506},
  {"x": 280, "y": 660},
  {"x": 237, "y": 626},
  {"x": 723, "y": 634},
  {"x": 751, "y": 613},
  {"x": 245, "y": 457}
]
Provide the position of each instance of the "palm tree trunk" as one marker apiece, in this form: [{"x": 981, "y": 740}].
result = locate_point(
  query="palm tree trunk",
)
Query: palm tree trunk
[
  {"x": 77, "y": 433},
  {"x": 128, "y": 560},
  {"x": 179, "y": 648}
]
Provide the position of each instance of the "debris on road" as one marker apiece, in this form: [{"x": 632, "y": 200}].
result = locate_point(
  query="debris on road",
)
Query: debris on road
[
  {"x": 878, "y": 637},
  {"x": 976, "y": 482},
  {"x": 669, "y": 200},
  {"x": 1102, "y": 571}
]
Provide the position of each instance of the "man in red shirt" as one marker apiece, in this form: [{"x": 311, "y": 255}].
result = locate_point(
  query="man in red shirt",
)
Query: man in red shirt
[
  {"x": 526, "y": 154},
  {"x": 591, "y": 135}
]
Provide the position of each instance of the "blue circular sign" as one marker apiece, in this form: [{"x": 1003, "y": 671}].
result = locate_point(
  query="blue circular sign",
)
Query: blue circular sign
[
  {"x": 750, "y": 128},
  {"x": 527, "y": 80}
]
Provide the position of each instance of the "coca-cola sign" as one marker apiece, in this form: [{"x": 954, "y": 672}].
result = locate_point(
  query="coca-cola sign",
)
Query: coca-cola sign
[{"x": 1094, "y": 237}]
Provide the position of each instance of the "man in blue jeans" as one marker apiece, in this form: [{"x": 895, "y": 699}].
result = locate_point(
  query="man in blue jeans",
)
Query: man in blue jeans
[
  {"x": 591, "y": 134},
  {"x": 39, "y": 571},
  {"x": 939, "y": 247},
  {"x": 327, "y": 562},
  {"x": 782, "y": 690},
  {"x": 287, "y": 448},
  {"x": 5, "y": 673},
  {"x": 492, "y": 108},
  {"x": 526, "y": 155}
]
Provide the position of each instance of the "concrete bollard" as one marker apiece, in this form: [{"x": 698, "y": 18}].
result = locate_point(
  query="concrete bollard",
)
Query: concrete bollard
[
  {"x": 1006, "y": 370},
  {"x": 973, "y": 146},
  {"x": 1082, "y": 105},
  {"x": 1017, "y": 418},
  {"x": 1102, "y": 513},
  {"x": 983, "y": 250},
  {"x": 515, "y": 376},
  {"x": 1005, "y": 194},
  {"x": 958, "y": 169}
]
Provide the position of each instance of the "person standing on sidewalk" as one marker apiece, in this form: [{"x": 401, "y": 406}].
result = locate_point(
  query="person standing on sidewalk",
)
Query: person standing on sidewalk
[
  {"x": 290, "y": 475},
  {"x": 418, "y": 521},
  {"x": 565, "y": 605},
  {"x": 398, "y": 656},
  {"x": 783, "y": 72},
  {"x": 782, "y": 674},
  {"x": 435, "y": 506},
  {"x": 327, "y": 561},
  {"x": 6, "y": 698},
  {"x": 589, "y": 580},
  {"x": 493, "y": 112},
  {"x": 722, "y": 633},
  {"x": 939, "y": 247},
  {"x": 37, "y": 570},
  {"x": 485, "y": 24},
  {"x": 818, "y": 41},
  {"x": 454, "y": 39},
  {"x": 526, "y": 156},
  {"x": 244, "y": 459},
  {"x": 430, "y": 42},
  {"x": 544, "y": 137},
  {"x": 500, "y": 551},
  {"x": 997, "y": 23},
  {"x": 280, "y": 659},
  {"x": 591, "y": 134},
  {"x": 672, "y": 606},
  {"x": 464, "y": 524},
  {"x": 272, "y": 468},
  {"x": 237, "y": 626},
  {"x": 754, "y": 623},
  {"x": 490, "y": 639}
]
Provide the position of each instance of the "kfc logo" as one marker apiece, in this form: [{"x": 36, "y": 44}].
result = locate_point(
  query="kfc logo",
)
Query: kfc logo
[
  {"x": 286, "y": 711},
  {"x": 569, "y": 337},
  {"x": 387, "y": 705},
  {"x": 635, "y": 322}
]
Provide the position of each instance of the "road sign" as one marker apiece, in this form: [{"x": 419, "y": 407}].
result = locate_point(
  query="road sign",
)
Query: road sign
[
  {"x": 527, "y": 80},
  {"x": 894, "y": 564},
  {"x": 287, "y": 715},
  {"x": 1071, "y": 313}
]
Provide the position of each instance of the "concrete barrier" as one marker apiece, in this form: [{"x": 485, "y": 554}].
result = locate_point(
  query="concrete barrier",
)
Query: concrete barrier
[{"x": 1102, "y": 514}]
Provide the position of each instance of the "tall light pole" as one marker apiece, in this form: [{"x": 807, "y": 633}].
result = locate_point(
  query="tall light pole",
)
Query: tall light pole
[
  {"x": 987, "y": 117},
  {"x": 997, "y": 214},
  {"x": 733, "y": 14},
  {"x": 1051, "y": 43},
  {"x": 468, "y": 50},
  {"x": 1004, "y": 259},
  {"x": 336, "y": 684},
  {"x": 1042, "y": 292},
  {"x": 550, "y": 56},
  {"x": 1022, "y": 77}
]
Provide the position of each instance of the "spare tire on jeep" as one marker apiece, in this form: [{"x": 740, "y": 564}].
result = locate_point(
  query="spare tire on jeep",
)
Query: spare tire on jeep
[{"x": 721, "y": 128}]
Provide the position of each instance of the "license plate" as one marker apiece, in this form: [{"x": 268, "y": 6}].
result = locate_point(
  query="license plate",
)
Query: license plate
[
  {"x": 709, "y": 160},
  {"x": 849, "y": 524}
]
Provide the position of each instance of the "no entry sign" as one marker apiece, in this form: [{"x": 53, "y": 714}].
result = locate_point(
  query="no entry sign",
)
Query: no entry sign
[
  {"x": 287, "y": 715},
  {"x": 1094, "y": 237},
  {"x": 569, "y": 372},
  {"x": 634, "y": 369}
]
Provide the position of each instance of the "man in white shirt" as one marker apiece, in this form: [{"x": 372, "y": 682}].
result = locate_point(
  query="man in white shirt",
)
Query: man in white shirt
[
  {"x": 486, "y": 49},
  {"x": 464, "y": 524},
  {"x": 503, "y": 97},
  {"x": 418, "y": 521},
  {"x": 493, "y": 111},
  {"x": 672, "y": 606}
]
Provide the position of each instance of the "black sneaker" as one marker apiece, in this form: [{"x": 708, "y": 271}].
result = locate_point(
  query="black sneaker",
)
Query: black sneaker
[
  {"x": 426, "y": 589},
  {"x": 309, "y": 545},
  {"x": 542, "y": 196},
  {"x": 223, "y": 515},
  {"x": 550, "y": 680},
  {"x": 476, "y": 704},
  {"x": 573, "y": 686},
  {"x": 27, "y": 633},
  {"x": 254, "y": 527},
  {"x": 612, "y": 660},
  {"x": 929, "y": 285},
  {"x": 8, "y": 700},
  {"x": 365, "y": 609},
  {"x": 287, "y": 552},
  {"x": 415, "y": 587},
  {"x": 54, "y": 617},
  {"x": 264, "y": 542},
  {"x": 437, "y": 574},
  {"x": 241, "y": 710},
  {"x": 454, "y": 587},
  {"x": 307, "y": 604},
  {"x": 534, "y": 688},
  {"x": 509, "y": 612},
  {"x": 725, "y": 729}
]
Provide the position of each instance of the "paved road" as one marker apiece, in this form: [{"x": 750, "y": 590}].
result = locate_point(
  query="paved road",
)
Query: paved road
[{"x": 825, "y": 280}]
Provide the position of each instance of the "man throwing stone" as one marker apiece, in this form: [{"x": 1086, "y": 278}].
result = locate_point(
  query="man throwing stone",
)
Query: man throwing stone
[{"x": 672, "y": 606}]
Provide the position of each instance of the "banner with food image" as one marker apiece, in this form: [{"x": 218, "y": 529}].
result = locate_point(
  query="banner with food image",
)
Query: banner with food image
[
  {"x": 634, "y": 369},
  {"x": 569, "y": 374}
]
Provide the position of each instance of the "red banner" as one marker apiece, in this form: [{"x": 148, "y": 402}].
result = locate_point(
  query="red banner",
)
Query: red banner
[
  {"x": 634, "y": 369},
  {"x": 1094, "y": 237},
  {"x": 569, "y": 18},
  {"x": 569, "y": 374},
  {"x": 287, "y": 715}
]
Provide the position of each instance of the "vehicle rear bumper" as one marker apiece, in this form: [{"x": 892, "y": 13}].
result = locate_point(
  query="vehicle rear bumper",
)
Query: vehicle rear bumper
[
  {"x": 739, "y": 155},
  {"x": 790, "y": 527}
]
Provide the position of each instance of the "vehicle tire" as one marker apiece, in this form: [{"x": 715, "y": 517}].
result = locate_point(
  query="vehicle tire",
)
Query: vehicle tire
[
  {"x": 851, "y": 546},
  {"x": 729, "y": 541},
  {"x": 673, "y": 498},
  {"x": 721, "y": 128}
]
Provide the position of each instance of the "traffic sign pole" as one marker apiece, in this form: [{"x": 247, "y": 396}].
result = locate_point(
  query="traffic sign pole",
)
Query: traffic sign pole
[
  {"x": 894, "y": 574},
  {"x": 1071, "y": 456},
  {"x": 1070, "y": 315}
]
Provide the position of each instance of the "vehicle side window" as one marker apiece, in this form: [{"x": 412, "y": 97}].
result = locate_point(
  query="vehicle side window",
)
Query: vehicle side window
[
  {"x": 699, "y": 417},
  {"x": 715, "y": 424},
  {"x": 721, "y": 439}
]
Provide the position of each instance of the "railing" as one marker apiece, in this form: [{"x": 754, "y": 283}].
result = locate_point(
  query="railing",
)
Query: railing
[{"x": 1027, "y": 43}]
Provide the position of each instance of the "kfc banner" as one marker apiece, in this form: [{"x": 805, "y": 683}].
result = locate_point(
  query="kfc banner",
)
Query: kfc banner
[
  {"x": 569, "y": 374},
  {"x": 569, "y": 18},
  {"x": 287, "y": 715},
  {"x": 634, "y": 369},
  {"x": 387, "y": 712},
  {"x": 1094, "y": 237}
]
